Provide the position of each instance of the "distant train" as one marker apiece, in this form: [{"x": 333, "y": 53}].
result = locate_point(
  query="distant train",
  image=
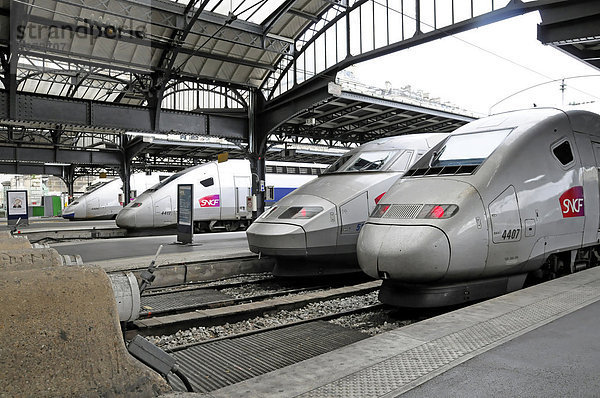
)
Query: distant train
[
  {"x": 502, "y": 197},
  {"x": 104, "y": 199},
  {"x": 221, "y": 192},
  {"x": 314, "y": 230}
]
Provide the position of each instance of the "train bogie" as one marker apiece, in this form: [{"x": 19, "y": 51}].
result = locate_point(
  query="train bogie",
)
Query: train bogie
[
  {"x": 313, "y": 231},
  {"x": 486, "y": 207}
]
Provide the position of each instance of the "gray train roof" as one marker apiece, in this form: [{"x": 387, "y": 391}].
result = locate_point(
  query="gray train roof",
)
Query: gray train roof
[{"x": 580, "y": 120}]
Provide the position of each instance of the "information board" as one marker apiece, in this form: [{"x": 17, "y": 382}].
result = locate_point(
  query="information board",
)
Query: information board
[
  {"x": 185, "y": 213},
  {"x": 16, "y": 207}
]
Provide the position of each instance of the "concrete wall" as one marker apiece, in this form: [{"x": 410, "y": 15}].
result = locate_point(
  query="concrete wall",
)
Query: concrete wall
[{"x": 61, "y": 336}]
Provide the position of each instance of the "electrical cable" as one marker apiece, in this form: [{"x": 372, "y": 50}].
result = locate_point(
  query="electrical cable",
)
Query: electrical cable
[
  {"x": 184, "y": 379},
  {"x": 551, "y": 79}
]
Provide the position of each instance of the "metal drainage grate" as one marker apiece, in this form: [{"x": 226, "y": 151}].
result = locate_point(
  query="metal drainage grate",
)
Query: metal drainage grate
[
  {"x": 158, "y": 303},
  {"x": 215, "y": 365}
]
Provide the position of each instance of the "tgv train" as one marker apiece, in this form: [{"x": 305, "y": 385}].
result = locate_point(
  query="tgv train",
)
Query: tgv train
[
  {"x": 221, "y": 192},
  {"x": 104, "y": 199},
  {"x": 313, "y": 230},
  {"x": 501, "y": 197}
]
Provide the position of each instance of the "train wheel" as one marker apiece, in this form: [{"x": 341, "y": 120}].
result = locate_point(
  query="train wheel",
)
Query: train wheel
[{"x": 232, "y": 226}]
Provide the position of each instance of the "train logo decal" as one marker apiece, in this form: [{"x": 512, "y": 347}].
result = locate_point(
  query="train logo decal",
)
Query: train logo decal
[
  {"x": 209, "y": 201},
  {"x": 571, "y": 202}
]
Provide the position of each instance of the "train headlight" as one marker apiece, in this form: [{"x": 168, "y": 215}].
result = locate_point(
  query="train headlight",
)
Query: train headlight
[
  {"x": 305, "y": 212},
  {"x": 136, "y": 204},
  {"x": 380, "y": 210},
  {"x": 438, "y": 211}
]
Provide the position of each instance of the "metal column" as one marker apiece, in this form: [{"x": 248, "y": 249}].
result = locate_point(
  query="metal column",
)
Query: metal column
[{"x": 257, "y": 137}]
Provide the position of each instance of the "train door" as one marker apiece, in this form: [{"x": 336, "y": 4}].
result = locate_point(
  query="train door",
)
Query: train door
[
  {"x": 209, "y": 198},
  {"x": 242, "y": 191},
  {"x": 163, "y": 212},
  {"x": 354, "y": 213}
]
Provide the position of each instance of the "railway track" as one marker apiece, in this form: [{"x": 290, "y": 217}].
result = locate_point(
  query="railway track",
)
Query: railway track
[{"x": 183, "y": 309}]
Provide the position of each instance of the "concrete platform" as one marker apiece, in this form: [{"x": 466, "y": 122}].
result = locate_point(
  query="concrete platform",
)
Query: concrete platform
[
  {"x": 131, "y": 253},
  {"x": 540, "y": 341},
  {"x": 211, "y": 256},
  {"x": 49, "y": 228}
]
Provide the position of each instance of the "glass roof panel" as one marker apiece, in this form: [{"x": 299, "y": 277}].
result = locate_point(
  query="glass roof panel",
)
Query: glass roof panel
[{"x": 255, "y": 11}]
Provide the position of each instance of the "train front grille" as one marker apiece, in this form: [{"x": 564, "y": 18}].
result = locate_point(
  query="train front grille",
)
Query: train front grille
[{"x": 403, "y": 212}]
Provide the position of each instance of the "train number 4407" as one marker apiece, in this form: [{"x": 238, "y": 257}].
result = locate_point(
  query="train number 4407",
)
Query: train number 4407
[{"x": 510, "y": 234}]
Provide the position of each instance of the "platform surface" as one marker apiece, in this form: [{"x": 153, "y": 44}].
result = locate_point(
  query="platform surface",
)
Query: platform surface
[
  {"x": 130, "y": 253},
  {"x": 560, "y": 359},
  {"x": 540, "y": 341},
  {"x": 38, "y": 224}
]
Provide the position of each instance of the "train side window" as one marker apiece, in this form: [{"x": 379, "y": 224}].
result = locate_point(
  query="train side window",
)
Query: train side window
[
  {"x": 208, "y": 182},
  {"x": 562, "y": 151}
]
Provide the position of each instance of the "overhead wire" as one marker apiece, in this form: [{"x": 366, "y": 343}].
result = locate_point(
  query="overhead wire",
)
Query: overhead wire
[{"x": 550, "y": 79}]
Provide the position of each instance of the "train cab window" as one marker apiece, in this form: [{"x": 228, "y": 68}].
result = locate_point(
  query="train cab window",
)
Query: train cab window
[
  {"x": 371, "y": 161},
  {"x": 468, "y": 149},
  {"x": 337, "y": 165},
  {"x": 401, "y": 162},
  {"x": 208, "y": 182},
  {"x": 563, "y": 153}
]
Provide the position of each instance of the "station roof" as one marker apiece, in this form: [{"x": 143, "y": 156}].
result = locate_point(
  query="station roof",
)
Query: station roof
[
  {"x": 575, "y": 29},
  {"x": 121, "y": 51},
  {"x": 109, "y": 47}
]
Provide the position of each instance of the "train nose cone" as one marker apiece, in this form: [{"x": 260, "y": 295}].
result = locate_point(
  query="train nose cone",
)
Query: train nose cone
[
  {"x": 275, "y": 239},
  {"x": 126, "y": 219},
  {"x": 411, "y": 253}
]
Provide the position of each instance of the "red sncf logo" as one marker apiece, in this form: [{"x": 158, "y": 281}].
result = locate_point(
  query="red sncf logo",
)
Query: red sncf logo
[{"x": 571, "y": 202}]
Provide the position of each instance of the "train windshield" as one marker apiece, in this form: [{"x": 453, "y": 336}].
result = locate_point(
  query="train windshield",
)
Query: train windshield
[
  {"x": 468, "y": 149},
  {"x": 338, "y": 164},
  {"x": 167, "y": 180},
  {"x": 363, "y": 161},
  {"x": 94, "y": 187}
]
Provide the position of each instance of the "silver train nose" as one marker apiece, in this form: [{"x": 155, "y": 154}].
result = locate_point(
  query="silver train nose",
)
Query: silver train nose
[
  {"x": 126, "y": 219},
  {"x": 410, "y": 253},
  {"x": 277, "y": 239}
]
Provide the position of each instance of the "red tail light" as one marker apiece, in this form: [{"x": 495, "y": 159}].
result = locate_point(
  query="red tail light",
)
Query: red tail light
[
  {"x": 377, "y": 199},
  {"x": 380, "y": 210},
  {"x": 301, "y": 212},
  {"x": 438, "y": 211}
]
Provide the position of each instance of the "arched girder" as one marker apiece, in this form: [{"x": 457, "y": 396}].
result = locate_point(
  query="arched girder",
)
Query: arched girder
[
  {"x": 428, "y": 20},
  {"x": 230, "y": 93}
]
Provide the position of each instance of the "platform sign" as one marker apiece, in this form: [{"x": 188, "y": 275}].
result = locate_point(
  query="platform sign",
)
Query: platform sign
[
  {"x": 185, "y": 213},
  {"x": 16, "y": 207}
]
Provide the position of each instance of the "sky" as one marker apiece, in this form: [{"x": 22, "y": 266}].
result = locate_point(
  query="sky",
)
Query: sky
[{"x": 482, "y": 70}]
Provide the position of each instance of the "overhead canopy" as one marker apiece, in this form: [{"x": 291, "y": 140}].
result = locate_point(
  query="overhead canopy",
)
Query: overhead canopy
[
  {"x": 107, "y": 49},
  {"x": 575, "y": 29}
]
